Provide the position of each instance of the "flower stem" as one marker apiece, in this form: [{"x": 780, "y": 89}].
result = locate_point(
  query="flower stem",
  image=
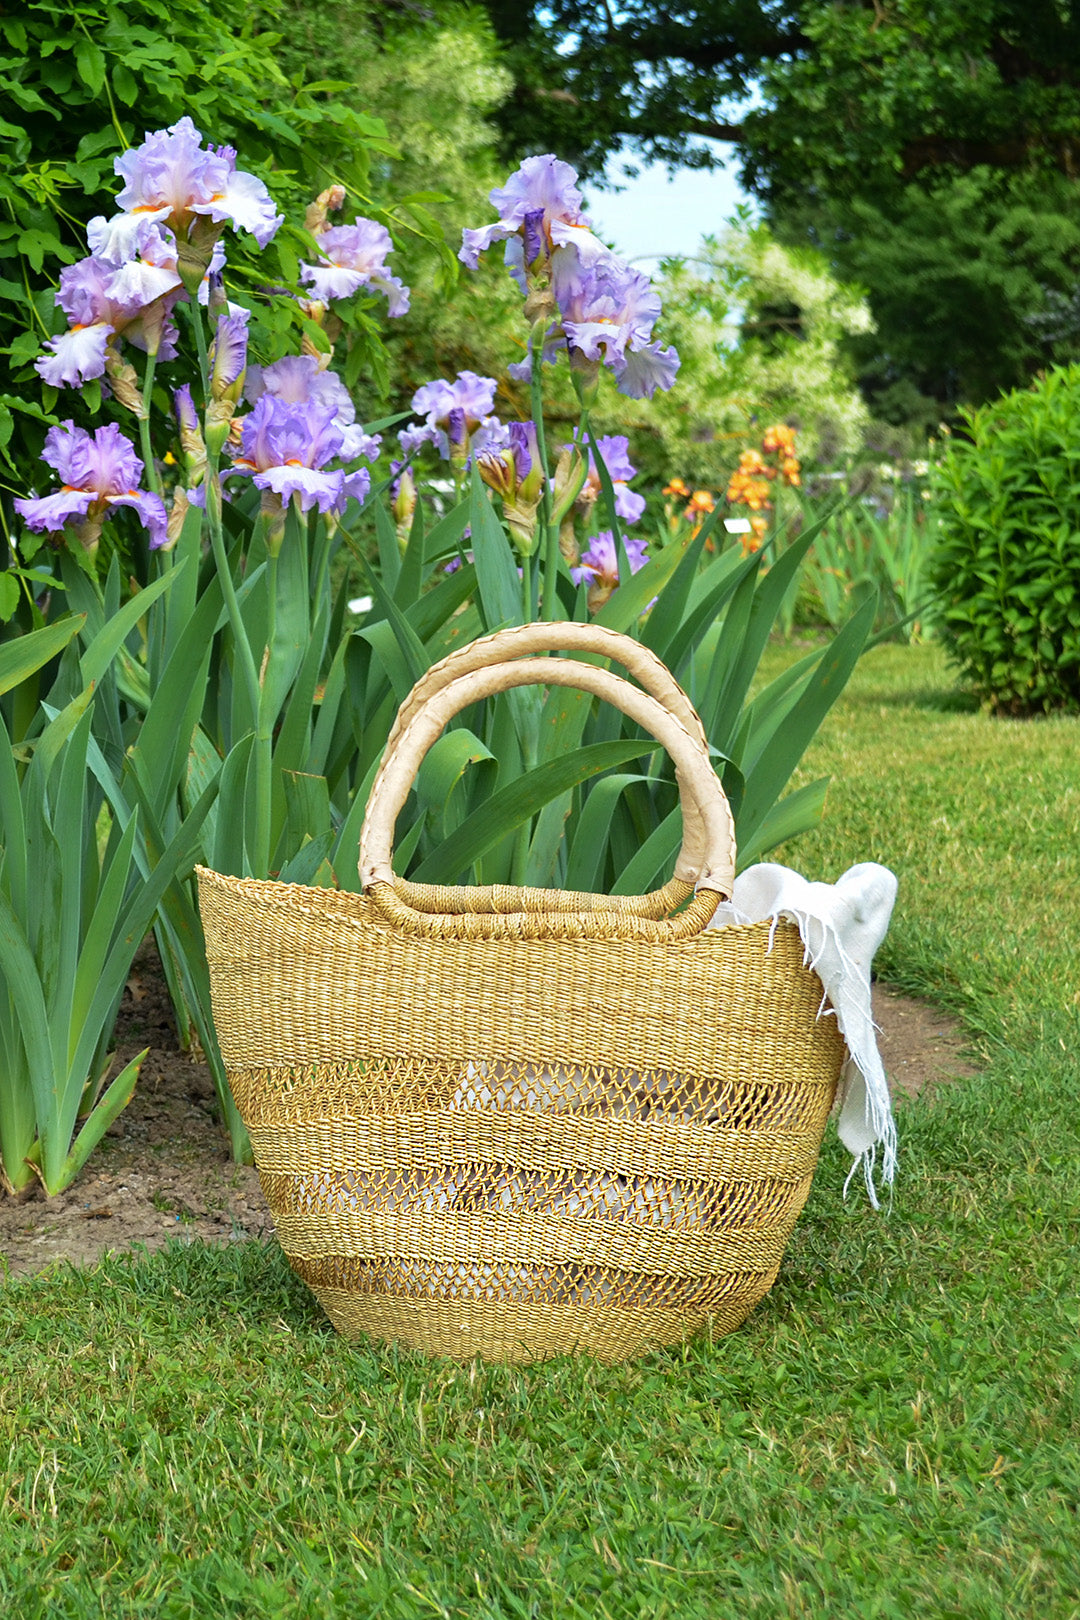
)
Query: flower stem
[
  {"x": 548, "y": 536},
  {"x": 145, "y": 445},
  {"x": 200, "y": 344},
  {"x": 249, "y": 672},
  {"x": 526, "y": 590},
  {"x": 264, "y": 733}
]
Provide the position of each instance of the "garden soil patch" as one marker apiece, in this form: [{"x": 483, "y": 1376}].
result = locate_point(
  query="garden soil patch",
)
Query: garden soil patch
[{"x": 163, "y": 1169}]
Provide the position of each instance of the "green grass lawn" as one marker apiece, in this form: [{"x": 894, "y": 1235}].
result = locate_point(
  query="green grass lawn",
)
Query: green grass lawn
[{"x": 893, "y": 1433}]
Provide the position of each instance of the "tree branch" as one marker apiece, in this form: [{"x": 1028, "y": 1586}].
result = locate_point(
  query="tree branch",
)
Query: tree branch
[{"x": 959, "y": 152}]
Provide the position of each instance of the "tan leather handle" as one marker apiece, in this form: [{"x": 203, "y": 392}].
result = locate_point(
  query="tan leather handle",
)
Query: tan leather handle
[{"x": 707, "y": 817}]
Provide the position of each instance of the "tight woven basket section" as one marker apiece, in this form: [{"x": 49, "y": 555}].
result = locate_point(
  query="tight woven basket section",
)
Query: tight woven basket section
[{"x": 520, "y": 1146}]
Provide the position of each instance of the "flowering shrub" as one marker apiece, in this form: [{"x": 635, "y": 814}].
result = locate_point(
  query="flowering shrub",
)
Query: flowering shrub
[
  {"x": 247, "y": 731},
  {"x": 1007, "y": 562}
]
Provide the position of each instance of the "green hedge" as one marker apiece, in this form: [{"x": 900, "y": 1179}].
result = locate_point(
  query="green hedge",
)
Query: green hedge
[{"x": 1008, "y": 561}]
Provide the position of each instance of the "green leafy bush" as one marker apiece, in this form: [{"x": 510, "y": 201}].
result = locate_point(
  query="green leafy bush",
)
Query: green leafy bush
[
  {"x": 1007, "y": 564},
  {"x": 82, "y": 80}
]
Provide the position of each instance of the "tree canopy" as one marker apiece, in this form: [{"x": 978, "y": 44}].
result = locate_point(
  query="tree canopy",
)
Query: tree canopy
[{"x": 842, "y": 95}]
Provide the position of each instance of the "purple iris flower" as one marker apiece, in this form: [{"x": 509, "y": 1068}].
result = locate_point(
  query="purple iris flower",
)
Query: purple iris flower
[
  {"x": 532, "y": 237},
  {"x": 436, "y": 401},
  {"x": 98, "y": 474},
  {"x": 468, "y": 392},
  {"x": 608, "y": 312},
  {"x": 614, "y": 452},
  {"x": 299, "y": 380},
  {"x": 122, "y": 239},
  {"x": 606, "y": 308},
  {"x": 286, "y": 447},
  {"x": 104, "y": 299},
  {"x": 351, "y": 257},
  {"x": 540, "y": 200},
  {"x": 173, "y": 178},
  {"x": 600, "y": 564}
]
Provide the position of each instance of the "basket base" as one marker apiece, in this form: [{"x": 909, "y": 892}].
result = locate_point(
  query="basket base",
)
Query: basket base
[{"x": 529, "y": 1331}]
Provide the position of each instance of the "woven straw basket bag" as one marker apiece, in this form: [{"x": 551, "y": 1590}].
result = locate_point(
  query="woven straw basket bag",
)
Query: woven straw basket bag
[{"x": 516, "y": 1123}]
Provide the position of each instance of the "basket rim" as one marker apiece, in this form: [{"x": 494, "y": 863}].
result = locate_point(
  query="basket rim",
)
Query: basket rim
[{"x": 356, "y": 910}]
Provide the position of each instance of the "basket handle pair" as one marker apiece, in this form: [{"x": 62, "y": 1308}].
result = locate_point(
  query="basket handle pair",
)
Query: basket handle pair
[{"x": 494, "y": 664}]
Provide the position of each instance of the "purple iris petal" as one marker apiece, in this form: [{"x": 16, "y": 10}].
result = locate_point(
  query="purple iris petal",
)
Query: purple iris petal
[
  {"x": 49, "y": 514},
  {"x": 75, "y": 356},
  {"x": 228, "y": 353},
  {"x": 141, "y": 282},
  {"x": 184, "y": 406},
  {"x": 82, "y": 295},
  {"x": 355, "y": 442},
  {"x": 151, "y": 511},
  {"x": 357, "y": 484},
  {"x": 543, "y": 184},
  {"x": 118, "y": 239},
  {"x": 645, "y": 370},
  {"x": 475, "y": 395},
  {"x": 614, "y": 451},
  {"x": 456, "y": 431},
  {"x": 291, "y": 379},
  {"x": 473, "y": 243},
  {"x": 629, "y": 505},
  {"x": 437, "y": 401},
  {"x": 105, "y": 461},
  {"x": 247, "y": 203},
  {"x": 526, "y": 450},
  {"x": 313, "y": 485},
  {"x": 533, "y": 235},
  {"x": 411, "y": 439}
]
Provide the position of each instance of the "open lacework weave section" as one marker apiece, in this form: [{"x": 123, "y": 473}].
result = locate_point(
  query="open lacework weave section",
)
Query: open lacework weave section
[{"x": 524, "y": 1185}]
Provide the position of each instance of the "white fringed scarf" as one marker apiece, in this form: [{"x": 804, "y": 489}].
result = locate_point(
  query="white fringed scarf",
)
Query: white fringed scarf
[{"x": 841, "y": 925}]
